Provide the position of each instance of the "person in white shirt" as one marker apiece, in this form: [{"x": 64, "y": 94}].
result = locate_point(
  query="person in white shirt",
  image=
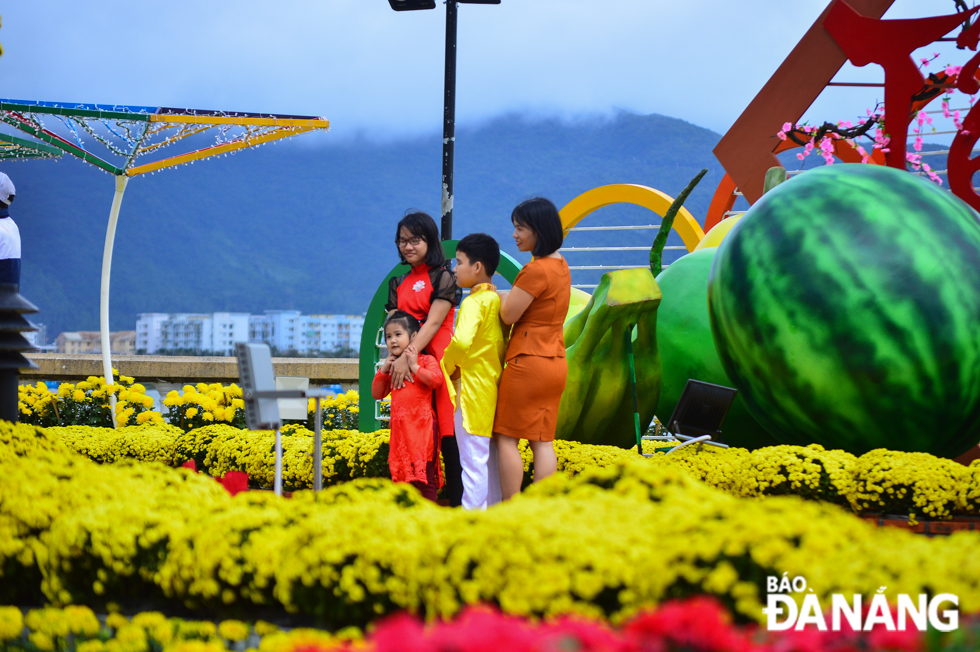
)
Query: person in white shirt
[{"x": 9, "y": 235}]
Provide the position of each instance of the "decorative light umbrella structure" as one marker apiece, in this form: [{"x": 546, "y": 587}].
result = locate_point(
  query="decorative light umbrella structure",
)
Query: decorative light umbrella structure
[
  {"x": 113, "y": 137},
  {"x": 12, "y": 147}
]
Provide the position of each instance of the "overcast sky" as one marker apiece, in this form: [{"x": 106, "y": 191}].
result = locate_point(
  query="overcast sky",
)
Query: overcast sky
[{"x": 373, "y": 71}]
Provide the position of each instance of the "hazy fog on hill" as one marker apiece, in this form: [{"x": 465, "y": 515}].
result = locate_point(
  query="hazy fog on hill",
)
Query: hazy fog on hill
[{"x": 310, "y": 226}]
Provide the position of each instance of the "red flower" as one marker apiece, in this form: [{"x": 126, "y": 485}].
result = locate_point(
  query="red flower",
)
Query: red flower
[
  {"x": 485, "y": 630},
  {"x": 234, "y": 482},
  {"x": 190, "y": 464},
  {"x": 582, "y": 635},
  {"x": 699, "y": 623},
  {"x": 908, "y": 641},
  {"x": 401, "y": 633}
]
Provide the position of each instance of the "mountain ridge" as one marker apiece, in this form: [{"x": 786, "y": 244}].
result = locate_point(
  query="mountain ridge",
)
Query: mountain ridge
[{"x": 309, "y": 226}]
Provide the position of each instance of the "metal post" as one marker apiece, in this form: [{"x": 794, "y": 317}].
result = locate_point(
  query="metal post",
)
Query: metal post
[
  {"x": 317, "y": 449},
  {"x": 277, "y": 483},
  {"x": 449, "y": 122},
  {"x": 110, "y": 237}
]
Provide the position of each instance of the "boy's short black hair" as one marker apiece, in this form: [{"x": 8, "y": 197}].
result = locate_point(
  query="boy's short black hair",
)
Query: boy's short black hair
[
  {"x": 481, "y": 248},
  {"x": 411, "y": 324},
  {"x": 421, "y": 225},
  {"x": 541, "y": 216}
]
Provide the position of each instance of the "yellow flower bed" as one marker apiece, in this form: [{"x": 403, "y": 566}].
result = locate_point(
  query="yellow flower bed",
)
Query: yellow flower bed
[
  {"x": 877, "y": 482},
  {"x": 77, "y": 629},
  {"x": 340, "y": 412},
  {"x": 23, "y": 440},
  {"x": 213, "y": 416},
  {"x": 203, "y": 404},
  {"x": 150, "y": 442},
  {"x": 809, "y": 472},
  {"x": 87, "y": 403},
  {"x": 606, "y": 542},
  {"x": 218, "y": 449},
  {"x": 914, "y": 483}
]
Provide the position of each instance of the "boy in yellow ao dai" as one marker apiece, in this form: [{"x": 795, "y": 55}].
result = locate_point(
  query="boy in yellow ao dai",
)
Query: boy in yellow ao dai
[{"x": 477, "y": 352}]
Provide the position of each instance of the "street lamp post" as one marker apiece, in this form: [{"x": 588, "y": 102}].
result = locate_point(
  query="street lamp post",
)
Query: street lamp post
[
  {"x": 449, "y": 105},
  {"x": 449, "y": 124}
]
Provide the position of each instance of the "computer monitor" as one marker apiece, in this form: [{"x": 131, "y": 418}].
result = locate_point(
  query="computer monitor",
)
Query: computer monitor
[{"x": 701, "y": 409}]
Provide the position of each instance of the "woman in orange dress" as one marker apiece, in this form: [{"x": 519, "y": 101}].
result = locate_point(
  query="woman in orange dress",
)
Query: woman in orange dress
[{"x": 534, "y": 378}]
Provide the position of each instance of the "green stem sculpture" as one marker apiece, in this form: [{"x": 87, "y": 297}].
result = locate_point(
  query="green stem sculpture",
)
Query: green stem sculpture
[
  {"x": 597, "y": 405},
  {"x": 657, "y": 250},
  {"x": 774, "y": 176}
]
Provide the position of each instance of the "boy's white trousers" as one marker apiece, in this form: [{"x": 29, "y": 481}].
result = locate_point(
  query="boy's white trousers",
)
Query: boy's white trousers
[{"x": 478, "y": 456}]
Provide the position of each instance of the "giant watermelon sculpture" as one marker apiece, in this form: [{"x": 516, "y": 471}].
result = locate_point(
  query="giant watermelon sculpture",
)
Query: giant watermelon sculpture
[{"x": 845, "y": 308}]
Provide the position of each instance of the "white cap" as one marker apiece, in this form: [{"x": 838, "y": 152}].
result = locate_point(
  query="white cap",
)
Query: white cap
[{"x": 7, "y": 190}]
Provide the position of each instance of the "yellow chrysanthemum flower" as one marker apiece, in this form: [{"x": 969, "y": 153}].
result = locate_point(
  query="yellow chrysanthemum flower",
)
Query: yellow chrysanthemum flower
[
  {"x": 233, "y": 630},
  {"x": 11, "y": 624}
]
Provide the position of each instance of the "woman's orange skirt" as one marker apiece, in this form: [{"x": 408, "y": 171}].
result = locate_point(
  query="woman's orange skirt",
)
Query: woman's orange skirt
[{"x": 528, "y": 398}]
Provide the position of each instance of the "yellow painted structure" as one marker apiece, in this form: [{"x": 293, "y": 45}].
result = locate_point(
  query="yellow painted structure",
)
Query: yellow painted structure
[
  {"x": 224, "y": 148},
  {"x": 172, "y": 118},
  {"x": 714, "y": 237},
  {"x": 629, "y": 193}
]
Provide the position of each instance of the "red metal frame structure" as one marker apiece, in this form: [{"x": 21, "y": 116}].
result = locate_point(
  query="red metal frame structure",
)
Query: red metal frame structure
[
  {"x": 746, "y": 151},
  {"x": 850, "y": 29}
]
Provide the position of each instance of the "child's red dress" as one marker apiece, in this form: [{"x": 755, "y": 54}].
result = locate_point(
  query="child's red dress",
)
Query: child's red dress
[{"x": 414, "y": 436}]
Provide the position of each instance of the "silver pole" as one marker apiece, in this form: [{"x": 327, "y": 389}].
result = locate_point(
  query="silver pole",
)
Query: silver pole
[
  {"x": 110, "y": 238},
  {"x": 277, "y": 486},
  {"x": 317, "y": 450}
]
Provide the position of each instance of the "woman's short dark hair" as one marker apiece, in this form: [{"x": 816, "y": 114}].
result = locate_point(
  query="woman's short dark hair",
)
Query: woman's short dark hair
[
  {"x": 421, "y": 225},
  {"x": 541, "y": 216},
  {"x": 410, "y": 323}
]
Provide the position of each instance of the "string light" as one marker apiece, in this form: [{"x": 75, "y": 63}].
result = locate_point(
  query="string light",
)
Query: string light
[{"x": 132, "y": 138}]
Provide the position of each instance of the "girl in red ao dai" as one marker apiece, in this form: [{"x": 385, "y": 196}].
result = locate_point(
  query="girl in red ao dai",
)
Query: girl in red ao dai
[
  {"x": 428, "y": 292},
  {"x": 413, "y": 454}
]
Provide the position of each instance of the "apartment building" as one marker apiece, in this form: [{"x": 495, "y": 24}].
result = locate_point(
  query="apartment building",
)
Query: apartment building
[
  {"x": 215, "y": 332},
  {"x": 218, "y": 332},
  {"x": 291, "y": 330},
  {"x": 78, "y": 342}
]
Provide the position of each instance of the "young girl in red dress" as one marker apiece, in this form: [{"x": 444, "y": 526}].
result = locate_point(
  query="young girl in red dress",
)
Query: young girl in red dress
[
  {"x": 413, "y": 448},
  {"x": 428, "y": 292}
]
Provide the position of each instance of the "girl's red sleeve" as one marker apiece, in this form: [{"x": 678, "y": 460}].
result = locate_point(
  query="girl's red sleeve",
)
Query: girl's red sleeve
[
  {"x": 430, "y": 373},
  {"x": 381, "y": 385}
]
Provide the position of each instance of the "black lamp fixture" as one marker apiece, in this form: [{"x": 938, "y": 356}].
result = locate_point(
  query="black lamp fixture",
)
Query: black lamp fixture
[
  {"x": 449, "y": 105},
  {"x": 415, "y": 5},
  {"x": 411, "y": 5}
]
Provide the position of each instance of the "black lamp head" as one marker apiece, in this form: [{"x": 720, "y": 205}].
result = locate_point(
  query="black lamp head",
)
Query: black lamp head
[
  {"x": 415, "y": 5},
  {"x": 411, "y": 5}
]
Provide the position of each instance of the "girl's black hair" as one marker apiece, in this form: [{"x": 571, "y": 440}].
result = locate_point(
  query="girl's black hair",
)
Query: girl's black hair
[
  {"x": 411, "y": 324},
  {"x": 421, "y": 225},
  {"x": 541, "y": 216}
]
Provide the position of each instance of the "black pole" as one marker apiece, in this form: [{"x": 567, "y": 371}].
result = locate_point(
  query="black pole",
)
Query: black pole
[{"x": 449, "y": 122}]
